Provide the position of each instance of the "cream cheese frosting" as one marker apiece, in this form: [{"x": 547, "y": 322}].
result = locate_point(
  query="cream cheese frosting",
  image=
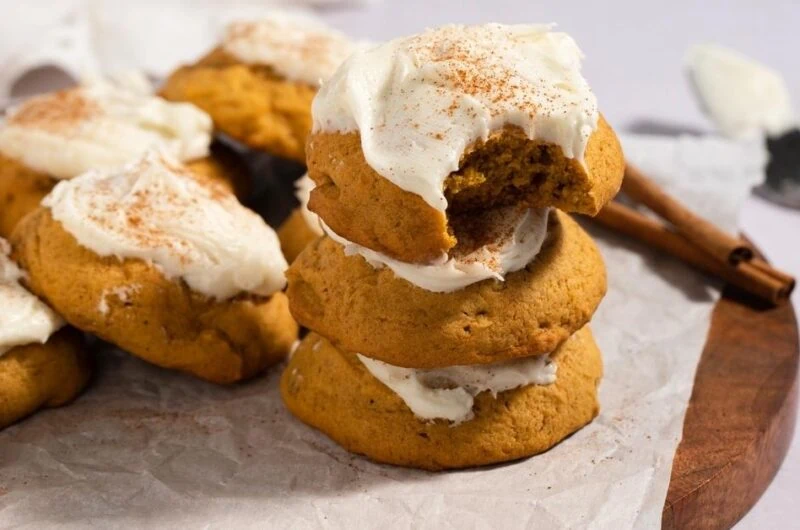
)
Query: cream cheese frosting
[
  {"x": 100, "y": 126},
  {"x": 302, "y": 190},
  {"x": 419, "y": 102},
  {"x": 296, "y": 46},
  {"x": 743, "y": 97},
  {"x": 24, "y": 319},
  {"x": 449, "y": 393},
  {"x": 516, "y": 238},
  {"x": 154, "y": 210}
]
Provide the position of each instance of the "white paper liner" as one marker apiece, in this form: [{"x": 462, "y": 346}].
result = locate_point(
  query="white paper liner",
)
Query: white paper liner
[{"x": 145, "y": 446}]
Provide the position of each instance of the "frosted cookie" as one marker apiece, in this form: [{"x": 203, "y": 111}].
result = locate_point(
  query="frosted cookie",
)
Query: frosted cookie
[
  {"x": 449, "y": 418},
  {"x": 303, "y": 226},
  {"x": 174, "y": 271},
  {"x": 411, "y": 133},
  {"x": 42, "y": 363},
  {"x": 258, "y": 83},
  {"x": 60, "y": 135},
  {"x": 368, "y": 308}
]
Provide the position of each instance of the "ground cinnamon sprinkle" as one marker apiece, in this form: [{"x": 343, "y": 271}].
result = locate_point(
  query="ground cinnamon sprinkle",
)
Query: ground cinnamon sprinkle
[
  {"x": 467, "y": 65},
  {"x": 137, "y": 214},
  {"x": 56, "y": 112},
  {"x": 306, "y": 44}
]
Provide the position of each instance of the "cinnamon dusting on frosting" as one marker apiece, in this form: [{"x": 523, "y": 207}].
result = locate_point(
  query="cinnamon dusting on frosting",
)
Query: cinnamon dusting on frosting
[
  {"x": 419, "y": 102},
  {"x": 100, "y": 125},
  {"x": 300, "y": 48},
  {"x": 59, "y": 112},
  {"x": 155, "y": 210}
]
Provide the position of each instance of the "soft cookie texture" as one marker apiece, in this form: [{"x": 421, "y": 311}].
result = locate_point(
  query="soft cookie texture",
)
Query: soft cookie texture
[
  {"x": 295, "y": 235},
  {"x": 22, "y": 189},
  {"x": 332, "y": 391},
  {"x": 250, "y": 103},
  {"x": 373, "y": 312},
  {"x": 365, "y": 208},
  {"x": 42, "y": 375},
  {"x": 131, "y": 304}
]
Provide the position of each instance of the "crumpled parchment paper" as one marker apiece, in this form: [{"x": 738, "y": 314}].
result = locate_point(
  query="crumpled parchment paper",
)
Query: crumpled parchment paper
[{"x": 146, "y": 447}]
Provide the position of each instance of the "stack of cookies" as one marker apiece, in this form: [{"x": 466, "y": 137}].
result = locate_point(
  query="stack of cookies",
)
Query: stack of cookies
[{"x": 449, "y": 301}]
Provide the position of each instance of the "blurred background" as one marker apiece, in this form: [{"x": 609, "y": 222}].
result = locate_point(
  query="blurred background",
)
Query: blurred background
[
  {"x": 635, "y": 61},
  {"x": 635, "y": 51}
]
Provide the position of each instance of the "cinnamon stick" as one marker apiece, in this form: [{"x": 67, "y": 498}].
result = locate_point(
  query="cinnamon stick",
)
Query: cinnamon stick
[
  {"x": 768, "y": 269},
  {"x": 755, "y": 278},
  {"x": 704, "y": 234}
]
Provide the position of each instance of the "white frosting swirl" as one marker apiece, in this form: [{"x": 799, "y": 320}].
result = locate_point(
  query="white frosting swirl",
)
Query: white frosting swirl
[
  {"x": 510, "y": 251},
  {"x": 297, "y": 46},
  {"x": 418, "y": 102},
  {"x": 101, "y": 126},
  {"x": 154, "y": 210},
  {"x": 449, "y": 393},
  {"x": 24, "y": 319},
  {"x": 302, "y": 190}
]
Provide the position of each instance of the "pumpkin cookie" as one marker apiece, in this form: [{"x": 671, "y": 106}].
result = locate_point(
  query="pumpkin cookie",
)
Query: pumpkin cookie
[
  {"x": 372, "y": 311},
  {"x": 60, "y": 135},
  {"x": 303, "y": 226},
  {"x": 483, "y": 116},
  {"x": 258, "y": 84},
  {"x": 175, "y": 272},
  {"x": 36, "y": 376},
  {"x": 40, "y": 366},
  {"x": 335, "y": 392}
]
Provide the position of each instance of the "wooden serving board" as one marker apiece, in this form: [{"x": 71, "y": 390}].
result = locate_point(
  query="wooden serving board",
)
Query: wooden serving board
[{"x": 741, "y": 416}]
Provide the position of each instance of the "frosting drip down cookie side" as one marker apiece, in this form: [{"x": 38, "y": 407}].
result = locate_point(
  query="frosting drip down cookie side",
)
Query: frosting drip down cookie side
[
  {"x": 374, "y": 312},
  {"x": 419, "y": 102},
  {"x": 455, "y": 120}
]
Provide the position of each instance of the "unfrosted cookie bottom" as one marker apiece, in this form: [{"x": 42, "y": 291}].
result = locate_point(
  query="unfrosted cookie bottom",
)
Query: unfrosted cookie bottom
[
  {"x": 35, "y": 376},
  {"x": 332, "y": 391}
]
